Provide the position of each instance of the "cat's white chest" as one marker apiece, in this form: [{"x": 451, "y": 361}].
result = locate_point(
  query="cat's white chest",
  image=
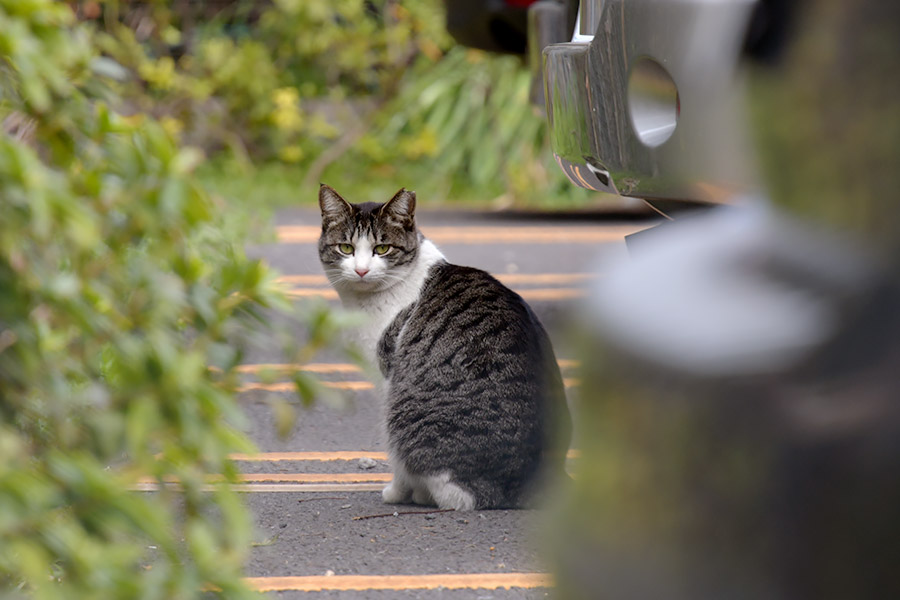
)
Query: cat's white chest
[{"x": 381, "y": 307}]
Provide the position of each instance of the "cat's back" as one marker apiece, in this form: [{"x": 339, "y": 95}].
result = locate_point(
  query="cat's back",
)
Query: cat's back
[
  {"x": 454, "y": 291},
  {"x": 465, "y": 326}
]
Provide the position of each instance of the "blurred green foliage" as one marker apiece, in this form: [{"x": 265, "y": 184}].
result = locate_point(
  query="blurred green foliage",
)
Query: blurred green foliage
[
  {"x": 266, "y": 83},
  {"x": 368, "y": 95},
  {"x": 125, "y": 303},
  {"x": 465, "y": 123}
]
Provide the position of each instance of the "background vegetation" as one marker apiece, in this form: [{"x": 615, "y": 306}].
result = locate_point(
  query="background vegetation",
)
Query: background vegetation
[{"x": 366, "y": 95}]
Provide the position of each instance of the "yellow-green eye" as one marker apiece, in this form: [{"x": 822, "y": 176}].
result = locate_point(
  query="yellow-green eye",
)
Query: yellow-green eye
[
  {"x": 345, "y": 248},
  {"x": 382, "y": 249}
]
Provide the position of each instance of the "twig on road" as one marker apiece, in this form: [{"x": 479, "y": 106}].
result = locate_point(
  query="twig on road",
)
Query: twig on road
[{"x": 406, "y": 512}]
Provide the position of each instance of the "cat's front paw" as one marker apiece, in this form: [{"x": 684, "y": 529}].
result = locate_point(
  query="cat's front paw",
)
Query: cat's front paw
[{"x": 396, "y": 493}]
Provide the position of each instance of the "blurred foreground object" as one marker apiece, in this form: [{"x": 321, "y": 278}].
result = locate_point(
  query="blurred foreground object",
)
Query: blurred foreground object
[{"x": 741, "y": 424}]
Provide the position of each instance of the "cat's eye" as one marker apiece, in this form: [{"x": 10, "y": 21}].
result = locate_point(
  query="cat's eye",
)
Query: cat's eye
[
  {"x": 381, "y": 249},
  {"x": 345, "y": 248}
]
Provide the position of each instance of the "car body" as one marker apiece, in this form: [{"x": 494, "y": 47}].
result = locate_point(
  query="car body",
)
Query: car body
[
  {"x": 642, "y": 96},
  {"x": 643, "y": 100}
]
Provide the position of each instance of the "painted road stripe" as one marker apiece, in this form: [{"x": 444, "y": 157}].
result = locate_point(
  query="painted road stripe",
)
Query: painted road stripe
[
  {"x": 309, "y": 234},
  {"x": 318, "y": 456},
  {"x": 563, "y": 363},
  {"x": 355, "y": 386},
  {"x": 327, "y": 293},
  {"x": 309, "y": 368},
  {"x": 327, "y": 456},
  {"x": 315, "y": 477},
  {"x": 321, "y": 583},
  {"x": 302, "y": 280},
  {"x": 293, "y": 478},
  {"x": 284, "y": 482},
  {"x": 534, "y": 295},
  {"x": 506, "y": 278},
  {"x": 268, "y": 488},
  {"x": 551, "y": 294},
  {"x": 343, "y": 367}
]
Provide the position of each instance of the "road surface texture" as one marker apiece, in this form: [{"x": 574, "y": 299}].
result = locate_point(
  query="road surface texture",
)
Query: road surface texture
[{"x": 322, "y": 530}]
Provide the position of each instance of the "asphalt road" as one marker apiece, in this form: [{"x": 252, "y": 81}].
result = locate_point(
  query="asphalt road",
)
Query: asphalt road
[{"x": 322, "y": 530}]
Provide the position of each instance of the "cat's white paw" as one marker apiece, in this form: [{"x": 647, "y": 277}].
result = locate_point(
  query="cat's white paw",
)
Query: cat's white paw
[
  {"x": 396, "y": 493},
  {"x": 447, "y": 494}
]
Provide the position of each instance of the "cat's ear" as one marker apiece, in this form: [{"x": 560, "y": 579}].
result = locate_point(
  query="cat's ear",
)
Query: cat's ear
[
  {"x": 331, "y": 203},
  {"x": 401, "y": 206}
]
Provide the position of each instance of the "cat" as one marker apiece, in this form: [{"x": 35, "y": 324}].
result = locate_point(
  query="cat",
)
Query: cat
[{"x": 476, "y": 410}]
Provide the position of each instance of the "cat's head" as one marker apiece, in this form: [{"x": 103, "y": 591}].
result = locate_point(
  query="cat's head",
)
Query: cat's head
[{"x": 367, "y": 246}]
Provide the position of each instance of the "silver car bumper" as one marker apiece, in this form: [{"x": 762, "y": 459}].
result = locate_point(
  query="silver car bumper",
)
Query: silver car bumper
[{"x": 644, "y": 101}]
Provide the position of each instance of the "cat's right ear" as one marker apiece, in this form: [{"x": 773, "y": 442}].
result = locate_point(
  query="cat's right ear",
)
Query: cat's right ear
[
  {"x": 402, "y": 205},
  {"x": 331, "y": 203}
]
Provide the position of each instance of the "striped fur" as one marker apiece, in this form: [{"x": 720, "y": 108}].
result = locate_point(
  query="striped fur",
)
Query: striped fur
[{"x": 474, "y": 398}]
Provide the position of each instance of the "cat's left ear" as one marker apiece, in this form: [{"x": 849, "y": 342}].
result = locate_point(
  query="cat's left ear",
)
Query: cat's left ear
[
  {"x": 402, "y": 205},
  {"x": 331, "y": 203}
]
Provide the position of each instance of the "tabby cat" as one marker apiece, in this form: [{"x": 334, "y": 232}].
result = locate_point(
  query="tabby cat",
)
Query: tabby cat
[{"x": 475, "y": 405}]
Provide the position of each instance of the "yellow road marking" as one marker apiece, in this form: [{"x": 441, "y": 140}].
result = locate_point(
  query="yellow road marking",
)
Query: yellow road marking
[
  {"x": 297, "y": 456},
  {"x": 293, "y": 478},
  {"x": 303, "y": 279},
  {"x": 293, "y": 482},
  {"x": 343, "y": 367},
  {"x": 545, "y": 294},
  {"x": 315, "y": 477},
  {"x": 309, "y": 234},
  {"x": 356, "y": 386},
  {"x": 536, "y": 294},
  {"x": 544, "y": 278},
  {"x": 327, "y": 293},
  {"x": 507, "y": 278},
  {"x": 317, "y": 583},
  {"x": 266, "y": 488},
  {"x": 309, "y": 368},
  {"x": 327, "y": 456}
]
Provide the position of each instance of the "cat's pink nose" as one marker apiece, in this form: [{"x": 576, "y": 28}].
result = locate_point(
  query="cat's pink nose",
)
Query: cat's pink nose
[{"x": 362, "y": 272}]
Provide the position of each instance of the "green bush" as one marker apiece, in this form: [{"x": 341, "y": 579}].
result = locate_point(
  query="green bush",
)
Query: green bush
[
  {"x": 464, "y": 126},
  {"x": 119, "y": 291},
  {"x": 267, "y": 90},
  {"x": 362, "y": 93}
]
